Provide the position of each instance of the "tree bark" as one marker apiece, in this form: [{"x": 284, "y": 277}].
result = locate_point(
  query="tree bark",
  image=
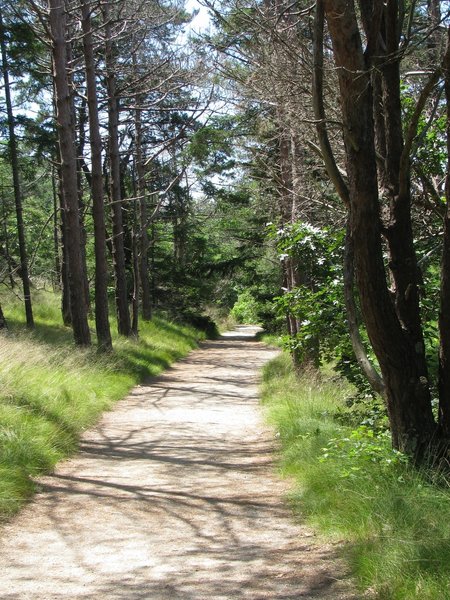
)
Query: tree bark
[
  {"x": 407, "y": 390},
  {"x": 79, "y": 141},
  {"x": 399, "y": 232},
  {"x": 371, "y": 374},
  {"x": 123, "y": 312},
  {"x": 57, "y": 22},
  {"x": 319, "y": 108},
  {"x": 444, "y": 312},
  {"x": 56, "y": 210},
  {"x": 98, "y": 212},
  {"x": 16, "y": 182},
  {"x": 135, "y": 254},
  {"x": 290, "y": 265},
  {"x": 3, "y": 323},
  {"x": 4, "y": 251},
  {"x": 65, "y": 286},
  {"x": 143, "y": 233}
]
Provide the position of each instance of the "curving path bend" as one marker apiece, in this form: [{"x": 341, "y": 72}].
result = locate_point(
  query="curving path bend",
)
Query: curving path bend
[{"x": 173, "y": 496}]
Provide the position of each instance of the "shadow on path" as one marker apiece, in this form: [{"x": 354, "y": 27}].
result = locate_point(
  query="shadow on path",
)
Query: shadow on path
[{"x": 172, "y": 496}]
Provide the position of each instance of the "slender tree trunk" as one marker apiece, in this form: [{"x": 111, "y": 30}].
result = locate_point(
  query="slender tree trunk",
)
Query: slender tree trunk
[
  {"x": 399, "y": 232},
  {"x": 3, "y": 323},
  {"x": 407, "y": 390},
  {"x": 365, "y": 364},
  {"x": 98, "y": 212},
  {"x": 153, "y": 264},
  {"x": 144, "y": 246},
  {"x": 143, "y": 233},
  {"x": 342, "y": 190},
  {"x": 56, "y": 209},
  {"x": 380, "y": 128},
  {"x": 79, "y": 144},
  {"x": 135, "y": 252},
  {"x": 444, "y": 312},
  {"x": 5, "y": 251},
  {"x": 319, "y": 107},
  {"x": 16, "y": 182},
  {"x": 57, "y": 22},
  {"x": 434, "y": 17},
  {"x": 290, "y": 264},
  {"x": 64, "y": 270},
  {"x": 123, "y": 312},
  {"x": 65, "y": 285}
]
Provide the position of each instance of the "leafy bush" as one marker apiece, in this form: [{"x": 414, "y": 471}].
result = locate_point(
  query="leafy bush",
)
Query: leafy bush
[
  {"x": 361, "y": 447},
  {"x": 202, "y": 322},
  {"x": 246, "y": 308}
]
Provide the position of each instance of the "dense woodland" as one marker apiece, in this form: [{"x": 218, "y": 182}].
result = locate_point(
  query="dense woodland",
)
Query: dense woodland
[{"x": 289, "y": 164}]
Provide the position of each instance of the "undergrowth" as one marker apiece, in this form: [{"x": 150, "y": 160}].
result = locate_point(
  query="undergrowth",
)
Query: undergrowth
[
  {"x": 51, "y": 391},
  {"x": 393, "y": 520}
]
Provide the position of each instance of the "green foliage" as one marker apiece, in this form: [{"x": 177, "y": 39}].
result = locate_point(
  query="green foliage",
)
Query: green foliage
[
  {"x": 391, "y": 520},
  {"x": 246, "y": 308},
  {"x": 430, "y": 145},
  {"x": 52, "y": 391},
  {"x": 362, "y": 446},
  {"x": 203, "y": 323},
  {"x": 317, "y": 301},
  {"x": 211, "y": 147}
]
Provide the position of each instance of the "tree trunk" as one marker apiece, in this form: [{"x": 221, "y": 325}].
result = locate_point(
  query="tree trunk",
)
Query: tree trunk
[
  {"x": 56, "y": 210},
  {"x": 64, "y": 269},
  {"x": 65, "y": 286},
  {"x": 3, "y": 323},
  {"x": 407, "y": 390},
  {"x": 135, "y": 253},
  {"x": 81, "y": 205},
  {"x": 444, "y": 312},
  {"x": 123, "y": 312},
  {"x": 365, "y": 364},
  {"x": 5, "y": 250},
  {"x": 57, "y": 22},
  {"x": 98, "y": 212},
  {"x": 143, "y": 234},
  {"x": 399, "y": 233},
  {"x": 319, "y": 108},
  {"x": 434, "y": 18},
  {"x": 143, "y": 262},
  {"x": 287, "y": 206},
  {"x": 16, "y": 182}
]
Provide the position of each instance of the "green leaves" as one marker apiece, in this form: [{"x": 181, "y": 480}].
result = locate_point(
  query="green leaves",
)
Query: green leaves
[
  {"x": 317, "y": 302},
  {"x": 361, "y": 447}
]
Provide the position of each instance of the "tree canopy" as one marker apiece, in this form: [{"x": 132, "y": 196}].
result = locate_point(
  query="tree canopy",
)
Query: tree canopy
[{"x": 290, "y": 164}]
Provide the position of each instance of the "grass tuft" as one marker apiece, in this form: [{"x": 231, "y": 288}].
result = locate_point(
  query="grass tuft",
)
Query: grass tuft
[
  {"x": 349, "y": 483},
  {"x": 52, "y": 391}
]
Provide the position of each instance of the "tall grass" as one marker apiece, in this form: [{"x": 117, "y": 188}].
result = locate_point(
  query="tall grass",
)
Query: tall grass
[
  {"x": 392, "y": 520},
  {"x": 51, "y": 391}
]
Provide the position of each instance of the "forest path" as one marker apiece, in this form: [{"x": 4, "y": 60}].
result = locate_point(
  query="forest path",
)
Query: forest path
[{"x": 172, "y": 496}]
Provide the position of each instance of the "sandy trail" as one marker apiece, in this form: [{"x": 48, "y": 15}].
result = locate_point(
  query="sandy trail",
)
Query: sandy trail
[{"x": 172, "y": 496}]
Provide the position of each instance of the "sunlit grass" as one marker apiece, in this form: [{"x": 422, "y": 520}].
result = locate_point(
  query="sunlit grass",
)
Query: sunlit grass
[
  {"x": 392, "y": 520},
  {"x": 51, "y": 391}
]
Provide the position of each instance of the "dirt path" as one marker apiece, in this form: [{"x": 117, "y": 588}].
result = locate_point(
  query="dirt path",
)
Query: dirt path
[{"x": 172, "y": 496}]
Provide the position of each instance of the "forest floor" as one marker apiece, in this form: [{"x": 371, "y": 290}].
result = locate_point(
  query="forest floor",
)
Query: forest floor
[{"x": 174, "y": 495}]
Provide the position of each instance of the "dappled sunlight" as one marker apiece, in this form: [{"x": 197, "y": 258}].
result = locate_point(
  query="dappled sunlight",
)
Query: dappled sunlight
[{"x": 173, "y": 495}]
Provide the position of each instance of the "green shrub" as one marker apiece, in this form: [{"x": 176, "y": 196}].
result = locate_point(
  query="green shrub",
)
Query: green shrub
[
  {"x": 203, "y": 323},
  {"x": 245, "y": 309}
]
